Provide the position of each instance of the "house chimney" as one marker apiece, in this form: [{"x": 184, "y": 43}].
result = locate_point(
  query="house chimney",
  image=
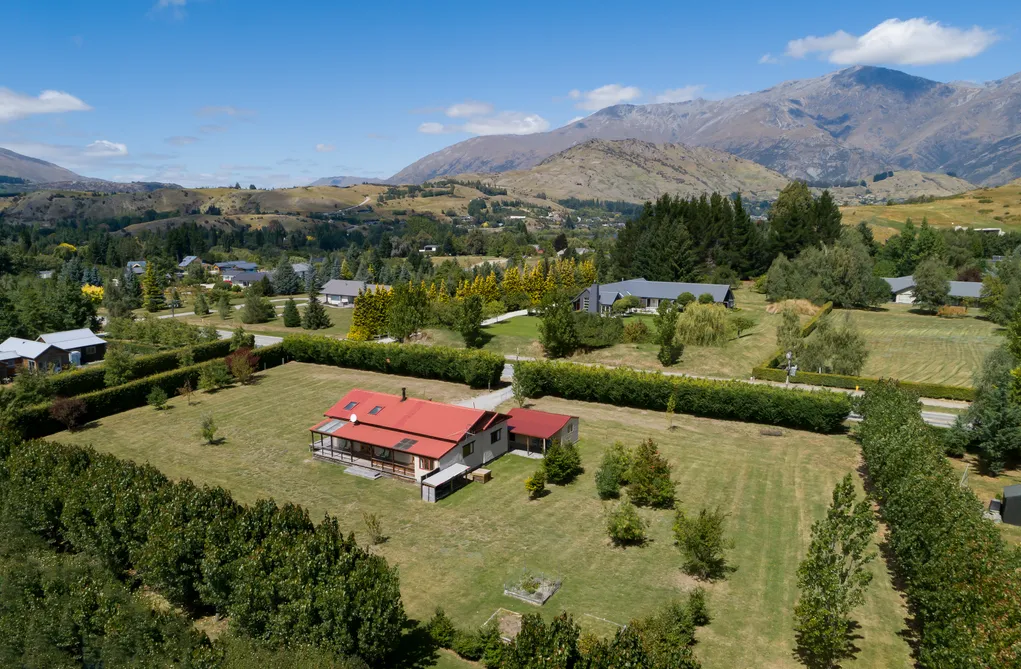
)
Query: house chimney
[{"x": 404, "y": 394}]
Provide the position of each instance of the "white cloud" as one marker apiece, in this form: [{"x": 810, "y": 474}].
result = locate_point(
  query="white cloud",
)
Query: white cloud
[
  {"x": 895, "y": 42},
  {"x": 324, "y": 148},
  {"x": 211, "y": 128},
  {"x": 14, "y": 105},
  {"x": 468, "y": 109},
  {"x": 507, "y": 123},
  {"x": 683, "y": 94},
  {"x": 604, "y": 96},
  {"x": 768, "y": 59},
  {"x": 176, "y": 7},
  {"x": 224, "y": 110},
  {"x": 97, "y": 154},
  {"x": 433, "y": 128},
  {"x": 102, "y": 148},
  {"x": 181, "y": 140}
]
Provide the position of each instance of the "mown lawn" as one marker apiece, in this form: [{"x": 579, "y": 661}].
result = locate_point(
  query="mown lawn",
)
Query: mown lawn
[
  {"x": 520, "y": 336},
  {"x": 459, "y": 553},
  {"x": 989, "y": 487},
  {"x": 341, "y": 318},
  {"x": 907, "y": 345}
]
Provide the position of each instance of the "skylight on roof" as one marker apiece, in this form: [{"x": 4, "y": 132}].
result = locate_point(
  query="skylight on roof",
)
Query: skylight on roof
[
  {"x": 375, "y": 410},
  {"x": 350, "y": 405}
]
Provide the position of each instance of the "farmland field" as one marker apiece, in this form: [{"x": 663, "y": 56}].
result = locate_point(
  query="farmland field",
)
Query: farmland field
[
  {"x": 911, "y": 346},
  {"x": 459, "y": 552}
]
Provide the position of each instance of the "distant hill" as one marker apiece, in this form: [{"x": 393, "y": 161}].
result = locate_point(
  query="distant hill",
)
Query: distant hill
[
  {"x": 846, "y": 125},
  {"x": 981, "y": 208},
  {"x": 903, "y": 185},
  {"x": 32, "y": 169},
  {"x": 638, "y": 171},
  {"x": 345, "y": 181}
]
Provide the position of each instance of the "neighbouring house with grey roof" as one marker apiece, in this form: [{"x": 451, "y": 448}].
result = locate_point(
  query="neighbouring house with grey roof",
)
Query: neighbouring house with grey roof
[
  {"x": 600, "y": 298},
  {"x": 187, "y": 261},
  {"x": 902, "y": 290},
  {"x": 82, "y": 344},
  {"x": 16, "y": 353},
  {"x": 302, "y": 269},
  {"x": 243, "y": 279},
  {"x": 235, "y": 266},
  {"x": 342, "y": 292},
  {"x": 136, "y": 266}
]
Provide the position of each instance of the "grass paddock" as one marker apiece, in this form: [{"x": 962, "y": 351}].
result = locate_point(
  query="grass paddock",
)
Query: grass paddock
[{"x": 458, "y": 553}]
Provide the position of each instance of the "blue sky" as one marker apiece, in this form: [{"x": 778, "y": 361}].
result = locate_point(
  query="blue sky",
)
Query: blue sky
[{"x": 209, "y": 92}]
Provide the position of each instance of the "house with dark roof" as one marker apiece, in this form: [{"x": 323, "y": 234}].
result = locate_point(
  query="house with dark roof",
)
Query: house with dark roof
[
  {"x": 82, "y": 345},
  {"x": 187, "y": 261},
  {"x": 600, "y": 298},
  {"x": 135, "y": 266},
  {"x": 902, "y": 290},
  {"x": 409, "y": 438},
  {"x": 233, "y": 266},
  {"x": 534, "y": 430},
  {"x": 243, "y": 279},
  {"x": 342, "y": 292}
]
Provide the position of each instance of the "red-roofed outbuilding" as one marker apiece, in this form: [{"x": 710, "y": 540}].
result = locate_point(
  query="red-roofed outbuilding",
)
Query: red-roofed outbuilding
[
  {"x": 408, "y": 437},
  {"x": 534, "y": 430}
]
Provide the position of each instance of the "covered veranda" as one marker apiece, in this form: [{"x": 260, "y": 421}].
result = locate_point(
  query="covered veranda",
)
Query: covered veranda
[{"x": 326, "y": 444}]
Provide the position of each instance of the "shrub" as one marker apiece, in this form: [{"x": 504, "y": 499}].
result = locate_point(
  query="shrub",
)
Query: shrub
[
  {"x": 157, "y": 398},
  {"x": 704, "y": 325},
  {"x": 374, "y": 527},
  {"x": 702, "y": 543},
  {"x": 742, "y": 323},
  {"x": 730, "y": 400},
  {"x": 207, "y": 429},
  {"x": 698, "y": 607},
  {"x": 685, "y": 298},
  {"x": 625, "y": 526},
  {"x": 706, "y": 298},
  {"x": 241, "y": 339},
  {"x": 613, "y": 471},
  {"x": 214, "y": 376},
  {"x": 536, "y": 484},
  {"x": 117, "y": 366},
  {"x": 68, "y": 411},
  {"x": 650, "y": 483},
  {"x": 947, "y": 311},
  {"x": 291, "y": 317},
  {"x": 243, "y": 364},
  {"x": 562, "y": 462},
  {"x": 594, "y": 331},
  {"x": 636, "y": 332},
  {"x": 440, "y": 629}
]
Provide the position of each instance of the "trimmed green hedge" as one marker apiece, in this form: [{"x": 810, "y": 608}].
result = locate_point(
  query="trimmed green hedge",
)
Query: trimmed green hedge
[
  {"x": 34, "y": 422},
  {"x": 478, "y": 369},
  {"x": 90, "y": 378},
  {"x": 934, "y": 390},
  {"x": 819, "y": 411}
]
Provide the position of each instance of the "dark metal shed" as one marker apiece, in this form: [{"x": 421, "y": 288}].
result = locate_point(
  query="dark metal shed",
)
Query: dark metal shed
[{"x": 1011, "y": 511}]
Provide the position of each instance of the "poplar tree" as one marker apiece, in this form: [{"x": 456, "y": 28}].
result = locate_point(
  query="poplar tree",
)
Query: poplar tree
[{"x": 833, "y": 578}]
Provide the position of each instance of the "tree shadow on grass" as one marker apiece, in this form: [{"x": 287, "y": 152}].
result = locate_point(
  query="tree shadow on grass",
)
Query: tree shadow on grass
[
  {"x": 416, "y": 649},
  {"x": 808, "y": 658}
]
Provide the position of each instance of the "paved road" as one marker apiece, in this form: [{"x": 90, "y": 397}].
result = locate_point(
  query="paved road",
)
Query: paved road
[
  {"x": 504, "y": 317},
  {"x": 489, "y": 401}
]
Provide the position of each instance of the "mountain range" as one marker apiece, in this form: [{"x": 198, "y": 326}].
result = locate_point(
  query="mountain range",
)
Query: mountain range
[
  {"x": 32, "y": 169},
  {"x": 843, "y": 126}
]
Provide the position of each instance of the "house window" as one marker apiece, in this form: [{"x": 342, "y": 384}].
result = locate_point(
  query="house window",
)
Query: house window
[
  {"x": 467, "y": 449},
  {"x": 570, "y": 426},
  {"x": 375, "y": 410},
  {"x": 495, "y": 435},
  {"x": 90, "y": 349},
  {"x": 350, "y": 405},
  {"x": 426, "y": 464},
  {"x": 31, "y": 364},
  {"x": 585, "y": 303}
]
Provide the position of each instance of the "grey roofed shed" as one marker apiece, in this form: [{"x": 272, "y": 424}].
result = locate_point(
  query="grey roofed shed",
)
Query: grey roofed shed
[
  {"x": 962, "y": 289},
  {"x": 899, "y": 284},
  {"x": 1011, "y": 511}
]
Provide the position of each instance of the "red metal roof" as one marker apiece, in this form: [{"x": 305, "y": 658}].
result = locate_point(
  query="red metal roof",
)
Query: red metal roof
[
  {"x": 435, "y": 427},
  {"x": 539, "y": 424}
]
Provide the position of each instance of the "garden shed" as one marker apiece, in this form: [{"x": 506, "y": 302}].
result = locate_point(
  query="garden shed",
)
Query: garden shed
[
  {"x": 534, "y": 431},
  {"x": 1011, "y": 510}
]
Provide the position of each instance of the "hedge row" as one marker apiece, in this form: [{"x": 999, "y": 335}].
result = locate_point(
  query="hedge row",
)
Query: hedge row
[
  {"x": 34, "y": 422},
  {"x": 478, "y": 369},
  {"x": 90, "y": 378},
  {"x": 277, "y": 576},
  {"x": 865, "y": 382},
  {"x": 820, "y": 411},
  {"x": 962, "y": 583}
]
